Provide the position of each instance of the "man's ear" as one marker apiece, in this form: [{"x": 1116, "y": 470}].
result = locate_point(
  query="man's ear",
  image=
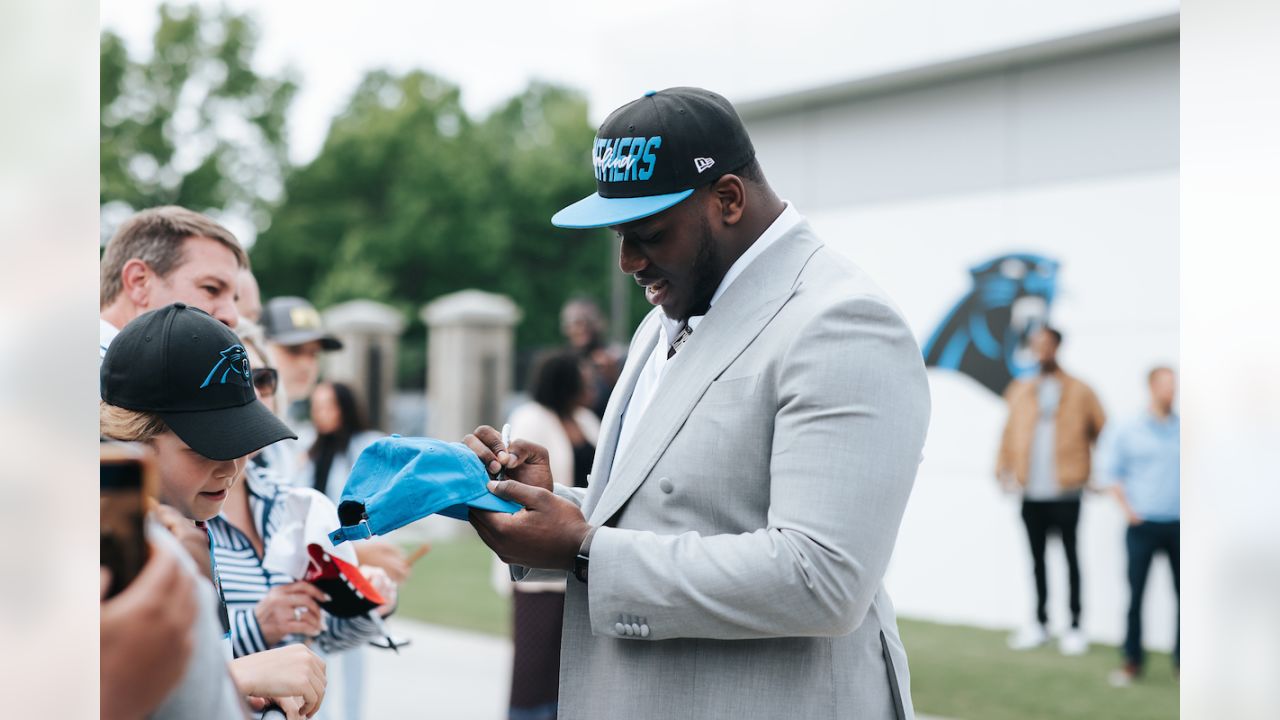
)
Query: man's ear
[
  {"x": 136, "y": 278},
  {"x": 730, "y": 193}
]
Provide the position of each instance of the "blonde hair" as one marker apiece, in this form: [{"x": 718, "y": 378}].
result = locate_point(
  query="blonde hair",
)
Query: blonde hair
[{"x": 118, "y": 423}]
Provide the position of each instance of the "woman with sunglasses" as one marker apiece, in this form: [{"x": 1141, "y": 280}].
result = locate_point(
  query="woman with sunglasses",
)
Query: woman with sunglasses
[
  {"x": 268, "y": 608},
  {"x": 280, "y": 458}
]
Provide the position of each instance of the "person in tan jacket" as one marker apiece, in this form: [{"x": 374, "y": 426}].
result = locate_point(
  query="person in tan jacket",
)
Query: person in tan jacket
[{"x": 1046, "y": 454}]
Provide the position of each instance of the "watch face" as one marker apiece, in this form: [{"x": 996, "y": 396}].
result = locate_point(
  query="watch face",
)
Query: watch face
[{"x": 580, "y": 564}]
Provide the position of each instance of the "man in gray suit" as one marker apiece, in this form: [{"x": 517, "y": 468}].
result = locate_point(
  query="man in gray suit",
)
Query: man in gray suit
[{"x": 754, "y": 461}]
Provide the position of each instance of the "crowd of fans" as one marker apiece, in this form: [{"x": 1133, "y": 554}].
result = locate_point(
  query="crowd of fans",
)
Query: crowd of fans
[
  {"x": 225, "y": 392},
  {"x": 212, "y": 626}
]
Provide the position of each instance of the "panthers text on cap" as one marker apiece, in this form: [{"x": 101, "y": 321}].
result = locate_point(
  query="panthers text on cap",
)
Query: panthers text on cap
[{"x": 625, "y": 159}]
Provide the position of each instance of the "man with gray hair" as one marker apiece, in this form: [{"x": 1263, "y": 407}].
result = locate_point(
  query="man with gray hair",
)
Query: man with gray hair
[{"x": 164, "y": 255}]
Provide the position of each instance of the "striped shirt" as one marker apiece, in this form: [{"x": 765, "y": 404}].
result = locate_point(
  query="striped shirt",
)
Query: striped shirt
[{"x": 245, "y": 582}]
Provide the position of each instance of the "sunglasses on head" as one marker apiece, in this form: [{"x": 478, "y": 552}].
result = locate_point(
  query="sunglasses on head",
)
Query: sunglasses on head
[{"x": 265, "y": 380}]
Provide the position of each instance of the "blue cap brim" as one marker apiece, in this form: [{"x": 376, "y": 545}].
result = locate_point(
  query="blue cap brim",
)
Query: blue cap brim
[
  {"x": 594, "y": 211},
  {"x": 493, "y": 503},
  {"x": 487, "y": 501}
]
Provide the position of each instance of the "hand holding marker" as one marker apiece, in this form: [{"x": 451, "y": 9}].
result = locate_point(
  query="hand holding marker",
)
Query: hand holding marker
[{"x": 506, "y": 443}]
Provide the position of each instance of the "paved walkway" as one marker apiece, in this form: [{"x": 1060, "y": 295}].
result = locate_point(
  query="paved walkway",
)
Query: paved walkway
[{"x": 445, "y": 673}]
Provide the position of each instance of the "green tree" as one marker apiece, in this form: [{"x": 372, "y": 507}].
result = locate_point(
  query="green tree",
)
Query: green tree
[
  {"x": 410, "y": 198},
  {"x": 194, "y": 124}
]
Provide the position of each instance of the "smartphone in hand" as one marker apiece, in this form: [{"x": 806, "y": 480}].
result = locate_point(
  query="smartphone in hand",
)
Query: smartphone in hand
[{"x": 127, "y": 476}]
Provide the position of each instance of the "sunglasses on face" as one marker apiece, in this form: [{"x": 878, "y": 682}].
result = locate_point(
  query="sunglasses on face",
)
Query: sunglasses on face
[{"x": 265, "y": 380}]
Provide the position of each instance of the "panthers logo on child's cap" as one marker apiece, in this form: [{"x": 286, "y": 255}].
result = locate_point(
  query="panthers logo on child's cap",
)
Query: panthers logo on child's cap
[{"x": 233, "y": 365}]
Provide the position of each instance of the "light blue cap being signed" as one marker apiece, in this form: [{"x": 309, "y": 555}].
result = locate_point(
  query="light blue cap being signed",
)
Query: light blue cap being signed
[{"x": 398, "y": 480}]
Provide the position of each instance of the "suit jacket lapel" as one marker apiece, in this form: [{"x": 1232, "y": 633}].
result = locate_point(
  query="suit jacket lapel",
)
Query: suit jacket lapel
[
  {"x": 728, "y": 328},
  {"x": 611, "y": 423}
]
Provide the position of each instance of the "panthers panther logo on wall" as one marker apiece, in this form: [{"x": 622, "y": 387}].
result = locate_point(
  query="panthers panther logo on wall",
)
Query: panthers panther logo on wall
[
  {"x": 233, "y": 365},
  {"x": 985, "y": 335}
]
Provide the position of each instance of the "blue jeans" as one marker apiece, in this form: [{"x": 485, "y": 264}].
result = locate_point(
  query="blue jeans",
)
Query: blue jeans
[{"x": 1143, "y": 541}]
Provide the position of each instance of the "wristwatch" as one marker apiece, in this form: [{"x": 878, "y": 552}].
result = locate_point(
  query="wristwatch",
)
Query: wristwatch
[{"x": 583, "y": 559}]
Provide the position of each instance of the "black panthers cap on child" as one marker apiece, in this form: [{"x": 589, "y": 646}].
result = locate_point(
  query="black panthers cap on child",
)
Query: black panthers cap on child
[
  {"x": 180, "y": 363},
  {"x": 655, "y": 151}
]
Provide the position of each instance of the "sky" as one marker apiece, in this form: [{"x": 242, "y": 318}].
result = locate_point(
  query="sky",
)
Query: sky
[{"x": 615, "y": 51}]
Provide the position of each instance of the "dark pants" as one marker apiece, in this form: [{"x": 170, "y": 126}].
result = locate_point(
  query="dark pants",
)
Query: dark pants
[
  {"x": 1143, "y": 541},
  {"x": 535, "y": 675},
  {"x": 1062, "y": 516}
]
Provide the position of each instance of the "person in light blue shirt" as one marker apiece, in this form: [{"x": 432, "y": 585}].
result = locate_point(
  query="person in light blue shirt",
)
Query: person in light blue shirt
[{"x": 1142, "y": 472}]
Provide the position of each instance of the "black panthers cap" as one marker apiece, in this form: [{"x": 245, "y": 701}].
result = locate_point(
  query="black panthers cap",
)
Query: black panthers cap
[
  {"x": 294, "y": 321},
  {"x": 655, "y": 151},
  {"x": 180, "y": 363}
]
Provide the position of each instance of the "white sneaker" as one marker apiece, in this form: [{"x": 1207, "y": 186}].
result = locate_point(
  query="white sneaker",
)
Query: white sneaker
[
  {"x": 1073, "y": 642},
  {"x": 1031, "y": 636},
  {"x": 1122, "y": 678}
]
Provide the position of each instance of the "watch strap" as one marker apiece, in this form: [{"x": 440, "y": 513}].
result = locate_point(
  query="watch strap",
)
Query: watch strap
[{"x": 583, "y": 559}]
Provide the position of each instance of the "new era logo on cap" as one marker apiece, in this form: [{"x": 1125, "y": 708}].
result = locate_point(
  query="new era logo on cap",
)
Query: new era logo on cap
[{"x": 655, "y": 151}]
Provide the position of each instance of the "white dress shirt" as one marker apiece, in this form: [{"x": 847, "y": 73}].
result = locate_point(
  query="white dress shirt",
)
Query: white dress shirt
[
  {"x": 106, "y": 333},
  {"x": 656, "y": 366}
]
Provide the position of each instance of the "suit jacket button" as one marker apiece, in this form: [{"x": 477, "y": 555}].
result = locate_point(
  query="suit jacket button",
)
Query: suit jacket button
[
  {"x": 666, "y": 485},
  {"x": 620, "y": 628},
  {"x": 644, "y": 631}
]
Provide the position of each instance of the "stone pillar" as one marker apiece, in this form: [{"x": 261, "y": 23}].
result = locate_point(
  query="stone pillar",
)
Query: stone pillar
[
  {"x": 370, "y": 334},
  {"x": 470, "y": 361}
]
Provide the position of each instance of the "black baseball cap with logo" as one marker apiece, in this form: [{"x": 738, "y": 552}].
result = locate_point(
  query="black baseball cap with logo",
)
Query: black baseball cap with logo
[
  {"x": 180, "y": 363},
  {"x": 294, "y": 321},
  {"x": 655, "y": 151}
]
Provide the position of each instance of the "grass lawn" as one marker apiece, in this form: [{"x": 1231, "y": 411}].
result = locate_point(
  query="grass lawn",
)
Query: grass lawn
[
  {"x": 956, "y": 671},
  {"x": 968, "y": 673},
  {"x": 451, "y": 586}
]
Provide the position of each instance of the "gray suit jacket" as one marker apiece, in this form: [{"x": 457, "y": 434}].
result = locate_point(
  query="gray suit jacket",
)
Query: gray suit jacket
[{"x": 747, "y": 527}]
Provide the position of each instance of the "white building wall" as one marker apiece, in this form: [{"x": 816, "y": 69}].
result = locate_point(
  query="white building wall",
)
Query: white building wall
[{"x": 1074, "y": 158}]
